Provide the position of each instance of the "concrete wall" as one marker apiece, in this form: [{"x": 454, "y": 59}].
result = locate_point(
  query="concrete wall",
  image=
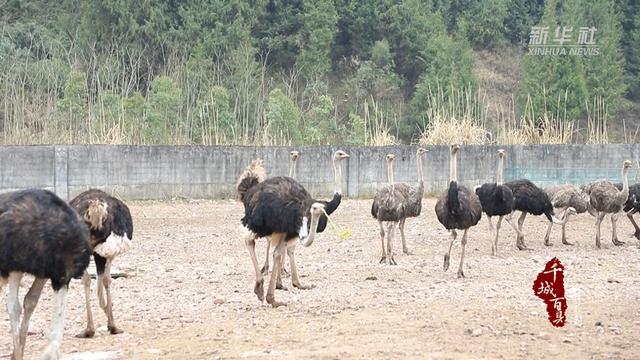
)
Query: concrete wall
[{"x": 160, "y": 172}]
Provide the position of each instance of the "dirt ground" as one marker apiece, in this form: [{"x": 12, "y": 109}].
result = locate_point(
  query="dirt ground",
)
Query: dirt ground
[{"x": 189, "y": 294}]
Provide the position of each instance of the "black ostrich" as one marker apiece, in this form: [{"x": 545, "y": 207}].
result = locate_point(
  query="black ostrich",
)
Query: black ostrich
[
  {"x": 281, "y": 208},
  {"x": 42, "y": 235},
  {"x": 497, "y": 200},
  {"x": 111, "y": 231},
  {"x": 632, "y": 206},
  {"x": 457, "y": 209},
  {"x": 530, "y": 199}
]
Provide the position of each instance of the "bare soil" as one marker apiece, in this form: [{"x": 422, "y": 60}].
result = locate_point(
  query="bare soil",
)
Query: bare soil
[{"x": 189, "y": 294}]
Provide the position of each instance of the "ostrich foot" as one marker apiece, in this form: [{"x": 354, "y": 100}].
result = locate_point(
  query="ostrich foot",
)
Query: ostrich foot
[
  {"x": 259, "y": 289},
  {"x": 564, "y": 241},
  {"x": 303, "y": 287},
  {"x": 548, "y": 243},
  {"x": 284, "y": 272},
  {"x": 272, "y": 301},
  {"x": 280, "y": 286},
  {"x": 265, "y": 270},
  {"x": 114, "y": 330},
  {"x": 446, "y": 262},
  {"x": 407, "y": 252},
  {"x": 461, "y": 274},
  {"x": 86, "y": 334},
  {"x": 637, "y": 234},
  {"x": 522, "y": 246},
  {"x": 617, "y": 242},
  {"x": 383, "y": 259}
]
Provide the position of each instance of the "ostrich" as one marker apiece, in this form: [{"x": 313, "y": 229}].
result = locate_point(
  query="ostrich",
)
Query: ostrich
[
  {"x": 42, "y": 235},
  {"x": 394, "y": 203},
  {"x": 632, "y": 206},
  {"x": 293, "y": 158},
  {"x": 568, "y": 199},
  {"x": 607, "y": 199},
  {"x": 280, "y": 207},
  {"x": 457, "y": 209},
  {"x": 111, "y": 230},
  {"x": 530, "y": 199},
  {"x": 497, "y": 200}
]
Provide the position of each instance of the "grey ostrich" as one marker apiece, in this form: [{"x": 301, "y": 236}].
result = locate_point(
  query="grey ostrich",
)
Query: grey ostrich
[
  {"x": 293, "y": 159},
  {"x": 607, "y": 199},
  {"x": 394, "y": 203},
  {"x": 111, "y": 231},
  {"x": 457, "y": 209},
  {"x": 568, "y": 200},
  {"x": 42, "y": 235}
]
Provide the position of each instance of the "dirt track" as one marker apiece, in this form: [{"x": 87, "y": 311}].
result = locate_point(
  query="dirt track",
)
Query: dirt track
[{"x": 190, "y": 294}]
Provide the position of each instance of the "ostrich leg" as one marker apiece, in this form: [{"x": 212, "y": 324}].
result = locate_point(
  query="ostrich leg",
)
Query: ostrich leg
[
  {"x": 108, "y": 308},
  {"x": 91, "y": 328},
  {"x": 265, "y": 267},
  {"x": 295, "y": 280},
  {"x": 614, "y": 236},
  {"x": 546, "y": 237},
  {"x": 258, "y": 289},
  {"x": 278, "y": 240},
  {"x": 447, "y": 256},
  {"x": 490, "y": 223},
  {"x": 510, "y": 221},
  {"x": 405, "y": 249},
  {"x": 520, "y": 242},
  {"x": 390, "y": 231},
  {"x": 564, "y": 232},
  {"x": 29, "y": 303},
  {"x": 463, "y": 241},
  {"x": 383, "y": 259},
  {"x": 14, "y": 310},
  {"x": 599, "y": 218},
  {"x": 57, "y": 325},
  {"x": 635, "y": 225},
  {"x": 494, "y": 245}
]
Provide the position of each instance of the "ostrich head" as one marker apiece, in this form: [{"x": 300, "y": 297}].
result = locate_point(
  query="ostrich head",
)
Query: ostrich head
[
  {"x": 390, "y": 157},
  {"x": 340, "y": 155},
  {"x": 501, "y": 153},
  {"x": 294, "y": 155},
  {"x": 96, "y": 214},
  {"x": 421, "y": 151},
  {"x": 626, "y": 165},
  {"x": 306, "y": 239}
]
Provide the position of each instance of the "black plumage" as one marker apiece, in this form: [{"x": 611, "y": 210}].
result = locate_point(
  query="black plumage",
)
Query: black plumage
[
  {"x": 111, "y": 231},
  {"x": 496, "y": 200},
  {"x": 457, "y": 209},
  {"x": 42, "y": 235}
]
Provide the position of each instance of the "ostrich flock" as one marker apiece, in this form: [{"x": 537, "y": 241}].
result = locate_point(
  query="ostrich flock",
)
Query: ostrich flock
[{"x": 42, "y": 235}]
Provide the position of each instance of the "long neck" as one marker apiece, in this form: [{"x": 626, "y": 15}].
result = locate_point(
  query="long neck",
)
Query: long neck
[
  {"x": 500, "y": 175},
  {"x": 453, "y": 173},
  {"x": 625, "y": 181},
  {"x": 337, "y": 175},
  {"x": 292, "y": 169},
  {"x": 419, "y": 165},
  {"x": 308, "y": 240},
  {"x": 390, "y": 172}
]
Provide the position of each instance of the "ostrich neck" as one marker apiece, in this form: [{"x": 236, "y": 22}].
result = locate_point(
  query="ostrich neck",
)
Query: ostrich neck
[
  {"x": 337, "y": 175},
  {"x": 308, "y": 240},
  {"x": 453, "y": 173},
  {"x": 419, "y": 165},
  {"x": 625, "y": 182},
  {"x": 500, "y": 175},
  {"x": 390, "y": 172},
  {"x": 292, "y": 169}
]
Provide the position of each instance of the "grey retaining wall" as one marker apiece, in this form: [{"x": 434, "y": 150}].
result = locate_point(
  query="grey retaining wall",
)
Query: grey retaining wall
[{"x": 160, "y": 172}]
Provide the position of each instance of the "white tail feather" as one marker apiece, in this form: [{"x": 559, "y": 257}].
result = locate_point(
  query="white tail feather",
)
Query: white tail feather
[{"x": 115, "y": 245}]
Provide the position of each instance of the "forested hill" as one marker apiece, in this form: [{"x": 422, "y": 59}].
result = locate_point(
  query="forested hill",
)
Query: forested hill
[{"x": 316, "y": 71}]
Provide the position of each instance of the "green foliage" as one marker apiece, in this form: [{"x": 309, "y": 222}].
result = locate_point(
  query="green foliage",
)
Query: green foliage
[
  {"x": 74, "y": 100},
  {"x": 320, "y": 122},
  {"x": 316, "y": 38},
  {"x": 163, "y": 110},
  {"x": 482, "y": 22},
  {"x": 521, "y": 16},
  {"x": 628, "y": 11},
  {"x": 283, "y": 117}
]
